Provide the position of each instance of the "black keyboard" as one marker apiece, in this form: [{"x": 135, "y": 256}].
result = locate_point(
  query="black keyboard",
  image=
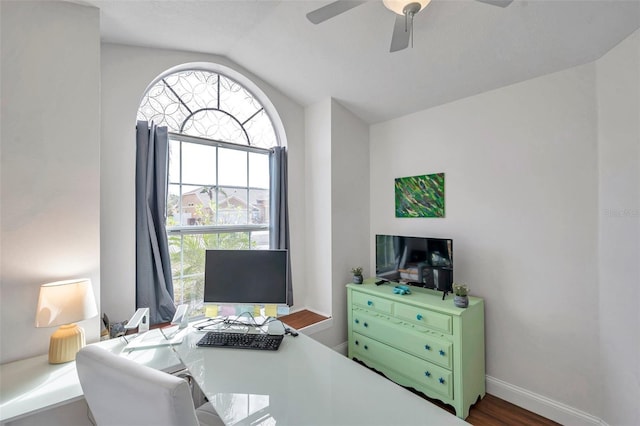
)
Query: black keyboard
[{"x": 221, "y": 339}]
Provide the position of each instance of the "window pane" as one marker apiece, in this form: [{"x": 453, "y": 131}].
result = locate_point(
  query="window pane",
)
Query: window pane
[
  {"x": 215, "y": 125},
  {"x": 234, "y": 240},
  {"x": 191, "y": 255},
  {"x": 198, "y": 205},
  {"x": 260, "y": 131},
  {"x": 173, "y": 205},
  {"x": 198, "y": 164},
  {"x": 175, "y": 252},
  {"x": 178, "y": 292},
  {"x": 232, "y": 206},
  {"x": 162, "y": 107},
  {"x": 187, "y": 265},
  {"x": 258, "y": 170},
  {"x": 237, "y": 100},
  {"x": 191, "y": 291},
  {"x": 259, "y": 206},
  {"x": 233, "y": 167},
  {"x": 174, "y": 161},
  {"x": 227, "y": 240},
  {"x": 260, "y": 240},
  {"x": 197, "y": 89},
  {"x": 193, "y": 288}
]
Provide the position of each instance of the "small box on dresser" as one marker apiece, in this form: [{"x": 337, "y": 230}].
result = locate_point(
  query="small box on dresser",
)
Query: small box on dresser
[{"x": 420, "y": 341}]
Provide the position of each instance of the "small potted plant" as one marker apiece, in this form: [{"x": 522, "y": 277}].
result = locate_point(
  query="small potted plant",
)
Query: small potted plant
[
  {"x": 357, "y": 275},
  {"x": 461, "y": 298}
]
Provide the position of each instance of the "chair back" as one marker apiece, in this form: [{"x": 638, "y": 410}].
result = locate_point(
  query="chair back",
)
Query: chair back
[{"x": 120, "y": 391}]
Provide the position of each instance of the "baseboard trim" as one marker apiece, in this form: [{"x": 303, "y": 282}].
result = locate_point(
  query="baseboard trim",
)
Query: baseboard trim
[
  {"x": 342, "y": 348},
  {"x": 540, "y": 404}
]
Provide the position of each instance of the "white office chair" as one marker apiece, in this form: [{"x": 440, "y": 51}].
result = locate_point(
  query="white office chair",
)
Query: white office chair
[{"x": 119, "y": 391}]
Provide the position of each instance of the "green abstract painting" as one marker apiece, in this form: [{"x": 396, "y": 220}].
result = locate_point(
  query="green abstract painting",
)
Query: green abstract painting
[{"x": 420, "y": 196}]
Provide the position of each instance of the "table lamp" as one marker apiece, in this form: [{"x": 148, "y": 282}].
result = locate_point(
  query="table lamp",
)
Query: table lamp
[{"x": 62, "y": 303}]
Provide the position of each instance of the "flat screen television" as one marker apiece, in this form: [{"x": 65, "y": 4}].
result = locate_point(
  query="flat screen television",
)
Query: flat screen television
[
  {"x": 419, "y": 261},
  {"x": 252, "y": 277}
]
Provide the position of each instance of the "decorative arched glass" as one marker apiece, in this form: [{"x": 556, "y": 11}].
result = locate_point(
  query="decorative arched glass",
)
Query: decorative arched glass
[{"x": 208, "y": 105}]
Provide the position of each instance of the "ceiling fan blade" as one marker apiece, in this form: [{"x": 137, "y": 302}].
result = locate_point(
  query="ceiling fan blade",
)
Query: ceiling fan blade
[
  {"x": 401, "y": 34},
  {"x": 501, "y": 3},
  {"x": 331, "y": 10}
]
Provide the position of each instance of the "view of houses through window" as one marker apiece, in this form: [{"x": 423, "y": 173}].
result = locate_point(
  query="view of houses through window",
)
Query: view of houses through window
[{"x": 218, "y": 183}]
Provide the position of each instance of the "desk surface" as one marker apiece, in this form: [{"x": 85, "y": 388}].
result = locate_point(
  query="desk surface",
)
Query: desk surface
[
  {"x": 303, "y": 383},
  {"x": 32, "y": 385}
]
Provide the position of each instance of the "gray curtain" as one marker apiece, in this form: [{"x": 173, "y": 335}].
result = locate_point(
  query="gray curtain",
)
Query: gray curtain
[
  {"x": 154, "y": 288},
  {"x": 279, "y": 235}
]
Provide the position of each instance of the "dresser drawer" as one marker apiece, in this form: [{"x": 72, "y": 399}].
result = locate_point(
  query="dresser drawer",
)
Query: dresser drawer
[
  {"x": 400, "y": 335},
  {"x": 423, "y": 373},
  {"x": 425, "y": 317},
  {"x": 372, "y": 302},
  {"x": 374, "y": 325}
]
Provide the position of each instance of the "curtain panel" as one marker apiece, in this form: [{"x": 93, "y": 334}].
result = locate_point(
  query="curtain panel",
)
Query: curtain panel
[
  {"x": 154, "y": 287},
  {"x": 279, "y": 235}
]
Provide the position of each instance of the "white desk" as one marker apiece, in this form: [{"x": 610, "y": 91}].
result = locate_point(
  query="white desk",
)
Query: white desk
[
  {"x": 33, "y": 385},
  {"x": 303, "y": 383}
]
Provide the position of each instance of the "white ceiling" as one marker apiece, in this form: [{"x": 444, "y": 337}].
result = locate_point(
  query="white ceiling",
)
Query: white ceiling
[{"x": 461, "y": 47}]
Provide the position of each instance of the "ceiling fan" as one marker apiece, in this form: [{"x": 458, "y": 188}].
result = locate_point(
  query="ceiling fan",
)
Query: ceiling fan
[{"x": 404, "y": 9}]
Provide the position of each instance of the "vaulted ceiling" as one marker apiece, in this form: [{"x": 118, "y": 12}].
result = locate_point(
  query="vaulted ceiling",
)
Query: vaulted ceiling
[{"x": 460, "y": 47}]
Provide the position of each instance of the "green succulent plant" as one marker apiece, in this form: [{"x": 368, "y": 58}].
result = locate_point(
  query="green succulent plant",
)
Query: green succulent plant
[{"x": 460, "y": 289}]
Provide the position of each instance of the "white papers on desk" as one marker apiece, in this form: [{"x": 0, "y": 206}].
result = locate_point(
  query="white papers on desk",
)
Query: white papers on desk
[{"x": 155, "y": 338}]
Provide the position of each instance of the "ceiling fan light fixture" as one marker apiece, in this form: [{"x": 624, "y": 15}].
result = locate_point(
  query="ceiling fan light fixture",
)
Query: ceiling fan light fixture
[{"x": 398, "y": 6}]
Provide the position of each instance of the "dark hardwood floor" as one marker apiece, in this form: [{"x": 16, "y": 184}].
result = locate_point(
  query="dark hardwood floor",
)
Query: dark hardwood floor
[
  {"x": 489, "y": 411},
  {"x": 301, "y": 319},
  {"x": 492, "y": 410}
]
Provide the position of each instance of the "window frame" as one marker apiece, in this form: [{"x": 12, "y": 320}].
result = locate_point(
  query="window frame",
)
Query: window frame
[{"x": 207, "y": 229}]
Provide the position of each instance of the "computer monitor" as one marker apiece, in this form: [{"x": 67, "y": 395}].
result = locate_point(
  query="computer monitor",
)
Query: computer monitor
[{"x": 251, "y": 277}]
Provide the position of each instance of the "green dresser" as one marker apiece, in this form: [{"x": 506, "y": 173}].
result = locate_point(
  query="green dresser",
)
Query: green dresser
[{"x": 420, "y": 341}]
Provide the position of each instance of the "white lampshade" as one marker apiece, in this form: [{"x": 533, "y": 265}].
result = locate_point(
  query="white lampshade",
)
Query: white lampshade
[
  {"x": 62, "y": 303},
  {"x": 397, "y": 6},
  {"x": 65, "y": 302}
]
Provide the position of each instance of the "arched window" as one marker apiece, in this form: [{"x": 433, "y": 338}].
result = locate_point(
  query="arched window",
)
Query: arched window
[{"x": 218, "y": 184}]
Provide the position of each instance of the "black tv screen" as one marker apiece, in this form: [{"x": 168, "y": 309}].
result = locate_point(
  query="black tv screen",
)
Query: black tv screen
[
  {"x": 419, "y": 261},
  {"x": 254, "y": 277}
]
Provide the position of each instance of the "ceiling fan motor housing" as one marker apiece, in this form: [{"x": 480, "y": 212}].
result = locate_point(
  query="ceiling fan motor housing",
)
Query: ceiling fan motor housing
[{"x": 405, "y": 7}]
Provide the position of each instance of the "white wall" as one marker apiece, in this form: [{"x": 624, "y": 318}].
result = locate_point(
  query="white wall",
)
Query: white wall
[
  {"x": 318, "y": 261},
  {"x": 337, "y": 216},
  {"x": 619, "y": 220},
  {"x": 520, "y": 166},
  {"x": 50, "y": 165},
  {"x": 126, "y": 73}
]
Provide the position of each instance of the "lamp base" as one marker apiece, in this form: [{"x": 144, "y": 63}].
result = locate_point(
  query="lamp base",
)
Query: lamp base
[{"x": 65, "y": 343}]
